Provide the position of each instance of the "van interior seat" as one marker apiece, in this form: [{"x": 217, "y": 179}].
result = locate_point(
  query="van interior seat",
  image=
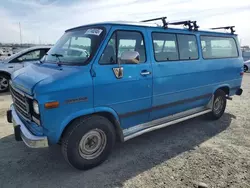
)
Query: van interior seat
[
  {"x": 141, "y": 51},
  {"x": 109, "y": 55}
]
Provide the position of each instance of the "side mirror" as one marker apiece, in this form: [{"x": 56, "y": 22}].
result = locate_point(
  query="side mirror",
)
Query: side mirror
[{"x": 130, "y": 57}]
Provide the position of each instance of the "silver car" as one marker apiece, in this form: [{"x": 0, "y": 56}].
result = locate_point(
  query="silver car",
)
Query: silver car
[
  {"x": 247, "y": 66},
  {"x": 17, "y": 61}
]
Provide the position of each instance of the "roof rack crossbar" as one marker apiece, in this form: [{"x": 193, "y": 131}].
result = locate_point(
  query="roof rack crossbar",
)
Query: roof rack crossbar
[
  {"x": 163, "y": 19},
  {"x": 191, "y": 24},
  {"x": 226, "y": 27}
]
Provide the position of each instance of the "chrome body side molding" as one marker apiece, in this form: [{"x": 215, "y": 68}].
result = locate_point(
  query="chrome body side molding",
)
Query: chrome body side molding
[{"x": 166, "y": 121}]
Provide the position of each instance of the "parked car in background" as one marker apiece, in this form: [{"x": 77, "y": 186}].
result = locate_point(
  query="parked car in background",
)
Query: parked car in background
[
  {"x": 246, "y": 55},
  {"x": 17, "y": 61},
  {"x": 247, "y": 66}
]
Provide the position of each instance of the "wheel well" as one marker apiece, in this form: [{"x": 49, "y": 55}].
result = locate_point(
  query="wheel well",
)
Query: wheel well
[
  {"x": 225, "y": 89},
  {"x": 110, "y": 117},
  {"x": 5, "y": 73}
]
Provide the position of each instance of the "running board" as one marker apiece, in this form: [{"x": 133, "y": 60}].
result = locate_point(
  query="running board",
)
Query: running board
[{"x": 163, "y": 122}]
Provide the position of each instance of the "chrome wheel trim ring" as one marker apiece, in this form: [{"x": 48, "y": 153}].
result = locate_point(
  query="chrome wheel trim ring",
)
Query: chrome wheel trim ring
[
  {"x": 92, "y": 144},
  {"x": 218, "y": 105}
]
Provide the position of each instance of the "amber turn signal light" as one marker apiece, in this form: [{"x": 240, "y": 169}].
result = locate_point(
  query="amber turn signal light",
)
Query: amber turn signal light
[{"x": 50, "y": 105}]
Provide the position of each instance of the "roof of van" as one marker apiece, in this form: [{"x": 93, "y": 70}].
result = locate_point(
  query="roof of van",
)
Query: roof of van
[{"x": 143, "y": 24}]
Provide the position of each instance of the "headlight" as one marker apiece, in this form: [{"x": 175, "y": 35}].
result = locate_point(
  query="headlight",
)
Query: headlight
[{"x": 35, "y": 107}]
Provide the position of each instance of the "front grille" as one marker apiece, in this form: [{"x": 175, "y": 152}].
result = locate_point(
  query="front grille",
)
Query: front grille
[{"x": 21, "y": 103}]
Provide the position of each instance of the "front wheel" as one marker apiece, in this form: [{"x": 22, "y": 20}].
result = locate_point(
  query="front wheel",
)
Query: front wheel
[
  {"x": 4, "y": 83},
  {"x": 88, "y": 142},
  {"x": 219, "y": 105}
]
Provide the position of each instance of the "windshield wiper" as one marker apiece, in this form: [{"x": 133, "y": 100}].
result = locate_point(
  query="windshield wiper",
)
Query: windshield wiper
[{"x": 57, "y": 56}]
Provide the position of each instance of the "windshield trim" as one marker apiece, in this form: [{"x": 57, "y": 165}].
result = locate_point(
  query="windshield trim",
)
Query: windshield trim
[{"x": 89, "y": 59}]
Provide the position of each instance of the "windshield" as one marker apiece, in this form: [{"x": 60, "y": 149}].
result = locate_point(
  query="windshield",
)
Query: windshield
[{"x": 76, "y": 47}]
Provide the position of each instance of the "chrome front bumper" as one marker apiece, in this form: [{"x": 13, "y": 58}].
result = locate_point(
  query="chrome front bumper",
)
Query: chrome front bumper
[{"x": 22, "y": 132}]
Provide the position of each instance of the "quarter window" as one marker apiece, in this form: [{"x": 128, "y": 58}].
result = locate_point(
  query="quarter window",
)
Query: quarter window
[
  {"x": 165, "y": 47},
  {"x": 120, "y": 42},
  {"x": 187, "y": 47},
  {"x": 218, "y": 47}
]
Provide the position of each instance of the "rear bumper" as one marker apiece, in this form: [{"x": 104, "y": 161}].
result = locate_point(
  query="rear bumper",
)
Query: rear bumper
[{"x": 22, "y": 133}]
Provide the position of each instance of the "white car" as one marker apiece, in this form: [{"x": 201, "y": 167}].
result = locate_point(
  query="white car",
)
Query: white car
[
  {"x": 18, "y": 61},
  {"x": 247, "y": 66}
]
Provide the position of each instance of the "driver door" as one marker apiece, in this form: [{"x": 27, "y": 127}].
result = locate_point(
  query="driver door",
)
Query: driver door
[{"x": 130, "y": 95}]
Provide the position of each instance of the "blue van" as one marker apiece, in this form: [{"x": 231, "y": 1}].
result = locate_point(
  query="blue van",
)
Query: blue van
[{"x": 109, "y": 82}]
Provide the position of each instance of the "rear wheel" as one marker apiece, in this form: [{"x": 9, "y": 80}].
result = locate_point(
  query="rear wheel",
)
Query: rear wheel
[
  {"x": 245, "y": 68},
  {"x": 4, "y": 83},
  {"x": 219, "y": 104},
  {"x": 88, "y": 142}
]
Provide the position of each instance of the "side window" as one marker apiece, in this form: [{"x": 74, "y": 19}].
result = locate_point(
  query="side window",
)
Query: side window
[
  {"x": 187, "y": 47},
  {"x": 120, "y": 42},
  {"x": 109, "y": 55},
  {"x": 218, "y": 47},
  {"x": 165, "y": 47},
  {"x": 30, "y": 56}
]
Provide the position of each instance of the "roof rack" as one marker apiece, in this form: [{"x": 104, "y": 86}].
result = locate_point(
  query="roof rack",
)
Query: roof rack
[
  {"x": 191, "y": 24},
  {"x": 226, "y": 27},
  {"x": 163, "y": 19}
]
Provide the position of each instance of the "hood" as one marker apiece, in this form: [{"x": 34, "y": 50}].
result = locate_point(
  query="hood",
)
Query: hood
[{"x": 27, "y": 78}]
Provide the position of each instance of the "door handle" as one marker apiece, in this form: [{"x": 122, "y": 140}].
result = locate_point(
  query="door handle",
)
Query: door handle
[
  {"x": 10, "y": 67},
  {"x": 145, "y": 73}
]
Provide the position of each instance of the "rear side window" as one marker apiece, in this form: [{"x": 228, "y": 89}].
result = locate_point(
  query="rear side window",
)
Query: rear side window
[
  {"x": 187, "y": 47},
  {"x": 165, "y": 47},
  {"x": 218, "y": 47}
]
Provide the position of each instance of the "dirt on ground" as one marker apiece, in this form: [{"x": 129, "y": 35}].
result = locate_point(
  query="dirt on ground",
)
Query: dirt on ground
[{"x": 216, "y": 153}]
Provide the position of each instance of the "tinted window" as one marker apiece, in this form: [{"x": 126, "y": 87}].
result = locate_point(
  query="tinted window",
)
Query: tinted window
[
  {"x": 187, "y": 47},
  {"x": 43, "y": 52},
  {"x": 126, "y": 41},
  {"x": 218, "y": 47},
  {"x": 165, "y": 47}
]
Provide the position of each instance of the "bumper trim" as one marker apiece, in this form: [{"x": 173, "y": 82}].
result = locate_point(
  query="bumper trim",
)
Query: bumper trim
[{"x": 28, "y": 138}]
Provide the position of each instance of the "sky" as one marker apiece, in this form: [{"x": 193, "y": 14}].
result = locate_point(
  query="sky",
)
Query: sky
[{"x": 46, "y": 20}]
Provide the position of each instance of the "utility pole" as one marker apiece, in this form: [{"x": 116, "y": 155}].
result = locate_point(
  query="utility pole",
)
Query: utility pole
[{"x": 20, "y": 33}]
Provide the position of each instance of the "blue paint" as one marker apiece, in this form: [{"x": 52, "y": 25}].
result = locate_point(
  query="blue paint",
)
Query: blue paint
[{"x": 134, "y": 99}]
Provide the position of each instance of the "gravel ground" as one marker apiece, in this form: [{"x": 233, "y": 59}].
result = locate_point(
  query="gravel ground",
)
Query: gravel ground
[{"x": 213, "y": 152}]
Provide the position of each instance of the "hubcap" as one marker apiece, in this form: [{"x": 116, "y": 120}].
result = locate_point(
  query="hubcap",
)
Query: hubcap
[
  {"x": 218, "y": 105},
  {"x": 92, "y": 144},
  {"x": 3, "y": 83}
]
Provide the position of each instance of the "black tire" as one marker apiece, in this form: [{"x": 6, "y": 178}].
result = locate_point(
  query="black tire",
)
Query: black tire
[
  {"x": 245, "y": 68},
  {"x": 77, "y": 131},
  {"x": 2, "y": 78},
  {"x": 218, "y": 112}
]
